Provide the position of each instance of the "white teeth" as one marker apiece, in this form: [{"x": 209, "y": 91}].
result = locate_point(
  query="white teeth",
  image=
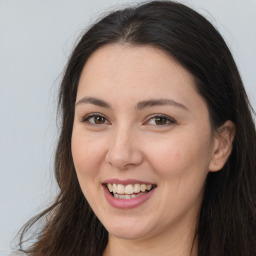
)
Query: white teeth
[
  {"x": 129, "y": 189},
  {"x": 110, "y": 187},
  {"x": 149, "y": 187},
  {"x": 121, "y": 196},
  {"x": 120, "y": 189},
  {"x": 127, "y": 196},
  {"x": 114, "y": 188},
  {"x": 136, "y": 188},
  {"x": 143, "y": 187}
]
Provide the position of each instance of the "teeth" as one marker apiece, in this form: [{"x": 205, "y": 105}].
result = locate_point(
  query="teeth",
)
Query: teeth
[
  {"x": 120, "y": 189},
  {"x": 136, "y": 188},
  {"x": 143, "y": 187},
  {"x": 121, "y": 196},
  {"x": 129, "y": 189},
  {"x": 114, "y": 188},
  {"x": 127, "y": 196},
  {"x": 149, "y": 187},
  {"x": 110, "y": 187}
]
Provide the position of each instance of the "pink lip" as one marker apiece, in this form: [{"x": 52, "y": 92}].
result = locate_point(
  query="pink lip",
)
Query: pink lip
[
  {"x": 126, "y": 203},
  {"x": 125, "y": 182}
]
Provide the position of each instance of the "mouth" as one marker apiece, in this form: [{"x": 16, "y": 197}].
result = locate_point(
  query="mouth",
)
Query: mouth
[{"x": 128, "y": 191}]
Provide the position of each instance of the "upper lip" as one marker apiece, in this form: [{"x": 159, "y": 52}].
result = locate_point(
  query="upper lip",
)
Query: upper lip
[{"x": 126, "y": 182}]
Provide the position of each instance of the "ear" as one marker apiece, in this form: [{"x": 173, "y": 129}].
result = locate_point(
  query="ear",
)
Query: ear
[{"x": 222, "y": 146}]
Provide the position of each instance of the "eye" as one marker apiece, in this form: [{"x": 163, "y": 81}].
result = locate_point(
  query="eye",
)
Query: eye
[
  {"x": 95, "y": 119},
  {"x": 161, "y": 120}
]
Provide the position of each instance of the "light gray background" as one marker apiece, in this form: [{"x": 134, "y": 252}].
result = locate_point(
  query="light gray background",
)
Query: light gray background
[{"x": 36, "y": 38}]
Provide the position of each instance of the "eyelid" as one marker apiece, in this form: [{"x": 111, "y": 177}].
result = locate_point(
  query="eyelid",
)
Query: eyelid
[
  {"x": 168, "y": 118},
  {"x": 85, "y": 119}
]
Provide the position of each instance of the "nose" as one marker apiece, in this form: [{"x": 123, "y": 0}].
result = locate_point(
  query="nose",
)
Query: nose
[{"x": 124, "y": 150}]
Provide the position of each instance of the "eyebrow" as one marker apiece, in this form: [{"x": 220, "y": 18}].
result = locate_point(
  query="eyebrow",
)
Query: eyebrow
[
  {"x": 159, "y": 102},
  {"x": 94, "y": 101},
  {"x": 140, "y": 106}
]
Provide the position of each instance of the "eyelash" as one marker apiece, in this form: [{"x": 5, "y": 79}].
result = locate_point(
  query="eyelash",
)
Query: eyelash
[
  {"x": 168, "y": 120},
  {"x": 93, "y": 115}
]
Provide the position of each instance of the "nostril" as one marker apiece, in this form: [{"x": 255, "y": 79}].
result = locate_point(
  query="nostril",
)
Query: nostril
[{"x": 124, "y": 158}]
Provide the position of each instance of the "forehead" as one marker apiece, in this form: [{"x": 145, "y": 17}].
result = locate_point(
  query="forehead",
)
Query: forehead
[
  {"x": 125, "y": 60},
  {"x": 135, "y": 72}
]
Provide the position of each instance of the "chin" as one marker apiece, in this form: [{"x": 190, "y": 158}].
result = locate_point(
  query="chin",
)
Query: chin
[
  {"x": 129, "y": 234},
  {"x": 129, "y": 230}
]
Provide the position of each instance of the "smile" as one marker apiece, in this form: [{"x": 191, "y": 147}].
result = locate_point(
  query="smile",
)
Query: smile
[{"x": 129, "y": 191}]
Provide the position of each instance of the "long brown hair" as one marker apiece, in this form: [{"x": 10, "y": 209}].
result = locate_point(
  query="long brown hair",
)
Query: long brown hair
[{"x": 227, "y": 222}]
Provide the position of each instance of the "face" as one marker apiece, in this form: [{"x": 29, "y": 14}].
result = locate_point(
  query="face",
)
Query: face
[{"x": 142, "y": 144}]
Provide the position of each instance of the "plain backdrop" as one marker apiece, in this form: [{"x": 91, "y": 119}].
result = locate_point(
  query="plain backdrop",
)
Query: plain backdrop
[{"x": 36, "y": 38}]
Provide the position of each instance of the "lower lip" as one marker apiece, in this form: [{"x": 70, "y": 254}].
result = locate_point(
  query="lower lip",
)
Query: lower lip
[{"x": 127, "y": 203}]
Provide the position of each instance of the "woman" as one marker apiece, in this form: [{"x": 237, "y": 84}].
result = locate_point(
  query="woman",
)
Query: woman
[{"x": 157, "y": 148}]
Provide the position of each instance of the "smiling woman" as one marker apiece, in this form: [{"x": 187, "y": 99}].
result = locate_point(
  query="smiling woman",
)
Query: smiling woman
[
  {"x": 138, "y": 138},
  {"x": 153, "y": 154}
]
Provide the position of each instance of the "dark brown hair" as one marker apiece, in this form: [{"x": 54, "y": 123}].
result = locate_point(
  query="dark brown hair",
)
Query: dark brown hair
[{"x": 227, "y": 221}]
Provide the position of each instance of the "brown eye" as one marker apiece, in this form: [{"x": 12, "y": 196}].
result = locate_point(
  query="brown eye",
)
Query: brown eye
[
  {"x": 160, "y": 120},
  {"x": 99, "y": 120},
  {"x": 94, "y": 119}
]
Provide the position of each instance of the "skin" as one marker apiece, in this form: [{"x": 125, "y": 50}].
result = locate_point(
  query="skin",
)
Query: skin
[{"x": 129, "y": 142}]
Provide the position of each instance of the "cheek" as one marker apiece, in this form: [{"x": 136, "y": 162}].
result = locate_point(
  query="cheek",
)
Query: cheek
[
  {"x": 87, "y": 154},
  {"x": 87, "y": 157},
  {"x": 169, "y": 160},
  {"x": 180, "y": 155}
]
